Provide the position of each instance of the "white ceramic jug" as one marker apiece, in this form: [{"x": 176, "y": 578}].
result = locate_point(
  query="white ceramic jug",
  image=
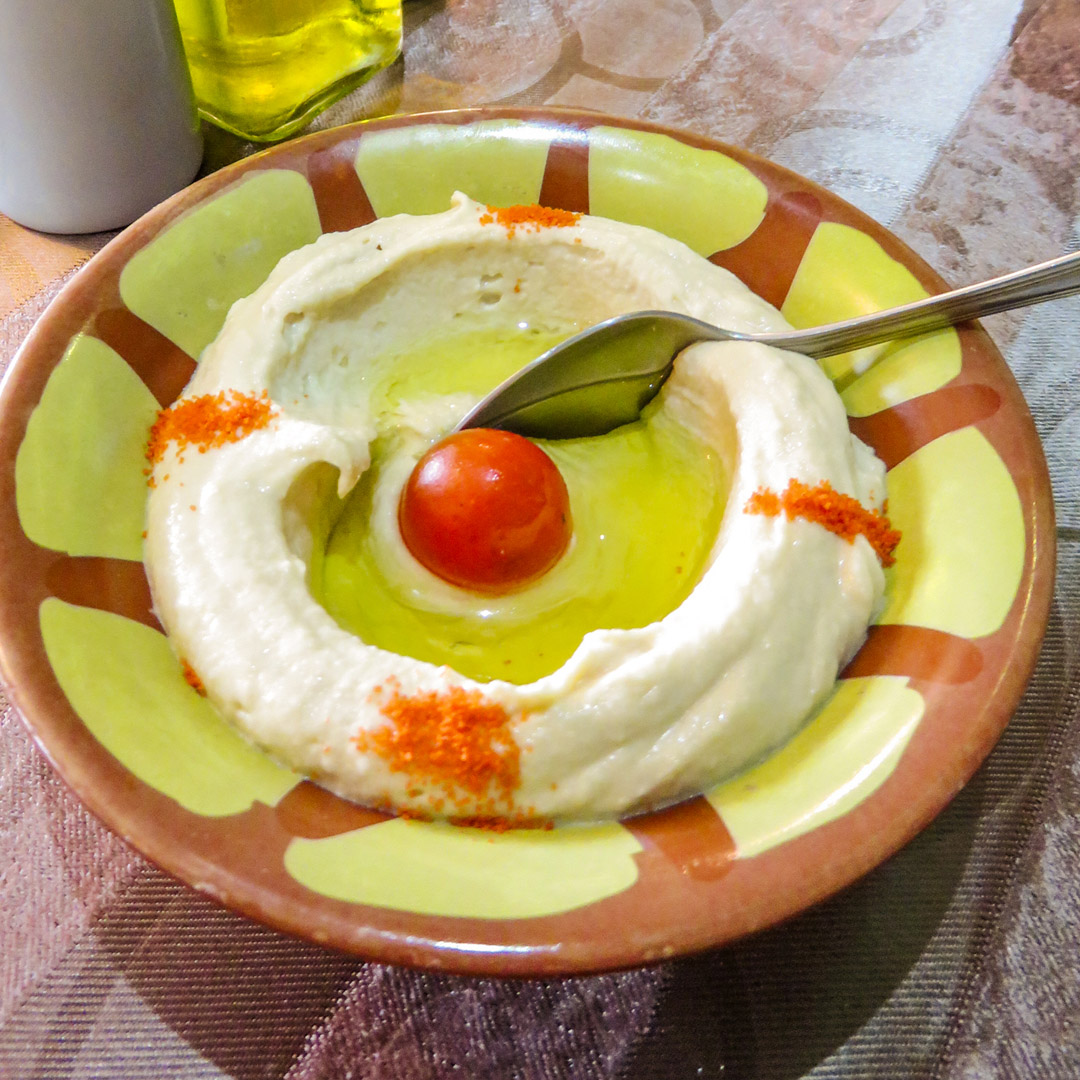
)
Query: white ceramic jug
[{"x": 97, "y": 117}]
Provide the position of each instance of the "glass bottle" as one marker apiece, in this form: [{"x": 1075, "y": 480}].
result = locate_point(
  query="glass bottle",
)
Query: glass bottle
[{"x": 263, "y": 68}]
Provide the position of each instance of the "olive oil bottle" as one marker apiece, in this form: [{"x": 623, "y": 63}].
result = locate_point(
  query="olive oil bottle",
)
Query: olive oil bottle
[{"x": 263, "y": 68}]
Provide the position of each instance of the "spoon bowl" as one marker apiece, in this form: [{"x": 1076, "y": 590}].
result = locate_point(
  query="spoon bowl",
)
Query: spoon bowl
[{"x": 604, "y": 376}]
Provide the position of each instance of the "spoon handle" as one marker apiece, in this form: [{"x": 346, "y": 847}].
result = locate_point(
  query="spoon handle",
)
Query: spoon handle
[{"x": 1046, "y": 281}]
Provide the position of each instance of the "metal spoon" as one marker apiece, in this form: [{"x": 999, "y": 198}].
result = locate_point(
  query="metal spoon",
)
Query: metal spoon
[{"x": 604, "y": 376}]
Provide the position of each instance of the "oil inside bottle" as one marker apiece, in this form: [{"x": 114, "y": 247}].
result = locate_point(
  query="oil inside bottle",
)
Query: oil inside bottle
[{"x": 263, "y": 68}]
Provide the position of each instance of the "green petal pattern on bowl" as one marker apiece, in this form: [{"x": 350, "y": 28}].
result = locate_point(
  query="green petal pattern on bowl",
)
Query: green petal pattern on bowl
[
  {"x": 185, "y": 280},
  {"x": 415, "y": 170},
  {"x": 845, "y": 273},
  {"x": 79, "y": 484},
  {"x": 439, "y": 869},
  {"x": 961, "y": 559},
  {"x": 128, "y": 688},
  {"x": 843, "y": 754},
  {"x": 702, "y": 197}
]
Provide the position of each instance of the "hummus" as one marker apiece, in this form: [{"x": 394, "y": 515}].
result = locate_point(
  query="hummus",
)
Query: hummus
[{"x": 635, "y": 718}]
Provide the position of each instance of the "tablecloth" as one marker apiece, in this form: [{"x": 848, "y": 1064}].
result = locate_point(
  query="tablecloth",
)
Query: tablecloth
[{"x": 956, "y": 123}]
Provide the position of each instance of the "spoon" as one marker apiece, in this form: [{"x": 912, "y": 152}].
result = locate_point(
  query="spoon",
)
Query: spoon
[{"x": 604, "y": 376}]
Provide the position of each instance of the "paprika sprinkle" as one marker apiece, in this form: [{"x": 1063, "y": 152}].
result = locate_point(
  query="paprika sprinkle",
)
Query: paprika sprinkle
[
  {"x": 192, "y": 679},
  {"x": 453, "y": 740},
  {"x": 207, "y": 421},
  {"x": 504, "y": 824},
  {"x": 841, "y": 514},
  {"x": 532, "y": 218}
]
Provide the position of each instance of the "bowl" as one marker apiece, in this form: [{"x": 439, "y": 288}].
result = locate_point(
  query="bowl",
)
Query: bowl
[{"x": 909, "y": 721}]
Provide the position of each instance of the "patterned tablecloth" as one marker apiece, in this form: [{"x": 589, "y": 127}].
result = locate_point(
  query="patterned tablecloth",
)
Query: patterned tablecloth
[{"x": 956, "y": 123}]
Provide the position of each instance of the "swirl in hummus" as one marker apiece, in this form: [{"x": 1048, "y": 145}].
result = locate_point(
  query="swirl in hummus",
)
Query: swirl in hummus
[{"x": 635, "y": 718}]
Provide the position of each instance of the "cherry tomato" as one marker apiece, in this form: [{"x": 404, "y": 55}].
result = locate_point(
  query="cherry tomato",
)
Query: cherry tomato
[{"x": 486, "y": 510}]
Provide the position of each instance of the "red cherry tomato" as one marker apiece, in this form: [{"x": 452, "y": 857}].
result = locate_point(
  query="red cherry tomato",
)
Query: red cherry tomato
[{"x": 486, "y": 510}]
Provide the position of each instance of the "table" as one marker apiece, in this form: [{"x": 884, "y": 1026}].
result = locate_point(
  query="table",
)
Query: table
[{"x": 956, "y": 123}]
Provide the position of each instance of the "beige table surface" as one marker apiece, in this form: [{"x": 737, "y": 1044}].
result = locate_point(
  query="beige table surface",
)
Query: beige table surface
[{"x": 956, "y": 123}]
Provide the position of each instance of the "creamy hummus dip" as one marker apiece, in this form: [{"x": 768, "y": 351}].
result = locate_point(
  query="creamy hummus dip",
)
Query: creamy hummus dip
[{"x": 635, "y": 718}]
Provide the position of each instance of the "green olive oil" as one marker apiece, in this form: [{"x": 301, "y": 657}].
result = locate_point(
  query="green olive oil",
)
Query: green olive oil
[
  {"x": 646, "y": 501},
  {"x": 263, "y": 68}
]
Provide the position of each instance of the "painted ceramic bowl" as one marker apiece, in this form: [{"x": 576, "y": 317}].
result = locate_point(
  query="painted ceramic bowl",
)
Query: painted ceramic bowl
[{"x": 911, "y": 717}]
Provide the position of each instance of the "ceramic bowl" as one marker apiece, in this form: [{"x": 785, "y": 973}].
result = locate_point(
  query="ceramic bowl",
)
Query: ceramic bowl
[{"x": 911, "y": 717}]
